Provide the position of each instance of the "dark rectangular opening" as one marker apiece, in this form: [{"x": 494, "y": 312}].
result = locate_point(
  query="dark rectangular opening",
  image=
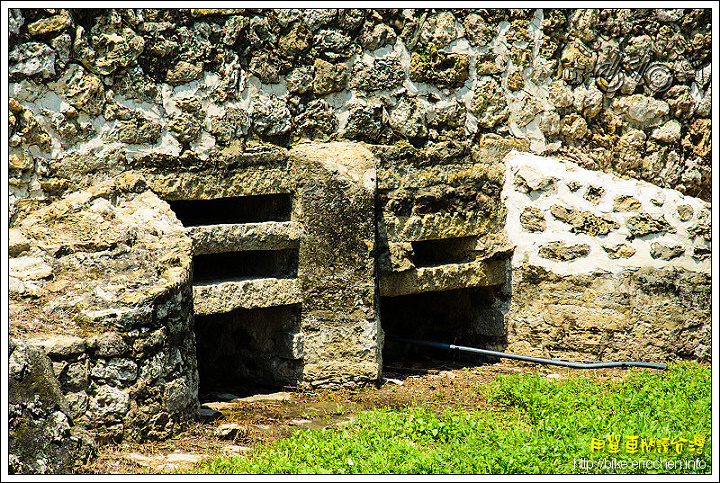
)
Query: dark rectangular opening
[
  {"x": 219, "y": 267},
  {"x": 233, "y": 210},
  {"x": 427, "y": 253},
  {"x": 241, "y": 350},
  {"x": 470, "y": 317}
]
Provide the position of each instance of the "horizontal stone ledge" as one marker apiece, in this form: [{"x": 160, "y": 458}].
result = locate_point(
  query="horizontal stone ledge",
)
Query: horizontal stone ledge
[
  {"x": 408, "y": 176},
  {"x": 245, "y": 294},
  {"x": 444, "y": 277},
  {"x": 269, "y": 235},
  {"x": 437, "y": 226},
  {"x": 206, "y": 185}
]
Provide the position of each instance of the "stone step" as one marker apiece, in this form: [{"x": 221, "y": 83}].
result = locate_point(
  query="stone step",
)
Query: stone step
[
  {"x": 269, "y": 235},
  {"x": 215, "y": 298},
  {"x": 441, "y": 278}
]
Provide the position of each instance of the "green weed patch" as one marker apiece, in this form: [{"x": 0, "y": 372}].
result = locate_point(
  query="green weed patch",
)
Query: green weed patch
[{"x": 650, "y": 423}]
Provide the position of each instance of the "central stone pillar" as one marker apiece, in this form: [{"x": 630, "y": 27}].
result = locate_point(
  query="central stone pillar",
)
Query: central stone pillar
[{"x": 335, "y": 187}]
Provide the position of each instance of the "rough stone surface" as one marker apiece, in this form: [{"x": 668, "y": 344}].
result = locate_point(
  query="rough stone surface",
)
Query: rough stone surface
[
  {"x": 408, "y": 119},
  {"x": 205, "y": 103},
  {"x": 440, "y": 68},
  {"x": 42, "y": 437},
  {"x": 249, "y": 236},
  {"x": 626, "y": 105},
  {"x": 659, "y": 250},
  {"x": 648, "y": 314},
  {"x": 120, "y": 265},
  {"x": 644, "y": 224},
  {"x": 336, "y": 189},
  {"x": 328, "y": 77},
  {"x": 532, "y": 219},
  {"x": 562, "y": 252},
  {"x": 489, "y": 103},
  {"x": 384, "y": 73},
  {"x": 584, "y": 221},
  {"x": 622, "y": 250},
  {"x": 32, "y": 58},
  {"x": 247, "y": 294},
  {"x": 443, "y": 278}
]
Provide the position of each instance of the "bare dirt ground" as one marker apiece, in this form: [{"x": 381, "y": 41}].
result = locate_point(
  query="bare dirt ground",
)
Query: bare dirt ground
[{"x": 240, "y": 424}]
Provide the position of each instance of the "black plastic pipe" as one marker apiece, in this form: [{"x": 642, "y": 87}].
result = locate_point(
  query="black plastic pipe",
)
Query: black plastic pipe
[{"x": 538, "y": 360}]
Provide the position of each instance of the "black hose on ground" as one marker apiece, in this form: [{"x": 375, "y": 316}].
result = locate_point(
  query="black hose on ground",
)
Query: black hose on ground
[{"x": 538, "y": 360}]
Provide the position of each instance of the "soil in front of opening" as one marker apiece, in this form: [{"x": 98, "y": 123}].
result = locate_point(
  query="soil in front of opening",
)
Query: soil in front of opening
[{"x": 249, "y": 422}]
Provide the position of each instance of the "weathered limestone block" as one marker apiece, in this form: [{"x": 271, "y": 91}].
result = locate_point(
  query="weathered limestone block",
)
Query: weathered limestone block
[
  {"x": 247, "y": 294},
  {"x": 32, "y": 58},
  {"x": 644, "y": 224},
  {"x": 626, "y": 203},
  {"x": 493, "y": 246},
  {"x": 408, "y": 118},
  {"x": 532, "y": 219},
  {"x": 440, "y": 68},
  {"x": 384, "y": 73},
  {"x": 489, "y": 103},
  {"x": 623, "y": 250},
  {"x": 658, "y": 250},
  {"x": 42, "y": 438},
  {"x": 530, "y": 178},
  {"x": 685, "y": 212},
  {"x": 562, "y": 252},
  {"x": 439, "y": 30},
  {"x": 437, "y": 226},
  {"x": 641, "y": 109},
  {"x": 328, "y": 77},
  {"x": 584, "y": 221},
  {"x": 271, "y": 235},
  {"x": 444, "y": 277},
  {"x": 336, "y": 189}
]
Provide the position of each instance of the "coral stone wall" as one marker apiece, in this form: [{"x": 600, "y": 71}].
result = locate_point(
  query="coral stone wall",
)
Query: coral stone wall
[
  {"x": 94, "y": 92},
  {"x": 605, "y": 268},
  {"x": 380, "y": 136},
  {"x": 101, "y": 281}
]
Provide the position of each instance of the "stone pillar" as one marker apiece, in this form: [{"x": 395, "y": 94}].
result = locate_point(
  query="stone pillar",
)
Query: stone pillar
[{"x": 335, "y": 203}]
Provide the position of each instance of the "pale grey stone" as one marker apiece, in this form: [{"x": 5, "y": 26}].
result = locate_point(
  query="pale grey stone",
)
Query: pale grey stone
[
  {"x": 32, "y": 58},
  {"x": 109, "y": 400},
  {"x": 123, "y": 370}
]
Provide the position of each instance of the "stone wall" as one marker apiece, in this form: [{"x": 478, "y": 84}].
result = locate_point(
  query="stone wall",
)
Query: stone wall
[
  {"x": 101, "y": 281},
  {"x": 98, "y": 91},
  {"x": 295, "y": 183},
  {"x": 42, "y": 437},
  {"x": 605, "y": 268}
]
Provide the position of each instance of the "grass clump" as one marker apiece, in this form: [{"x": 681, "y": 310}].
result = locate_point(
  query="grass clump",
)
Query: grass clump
[{"x": 647, "y": 423}]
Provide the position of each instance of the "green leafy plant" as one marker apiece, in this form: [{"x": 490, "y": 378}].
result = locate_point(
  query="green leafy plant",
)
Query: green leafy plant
[{"x": 538, "y": 426}]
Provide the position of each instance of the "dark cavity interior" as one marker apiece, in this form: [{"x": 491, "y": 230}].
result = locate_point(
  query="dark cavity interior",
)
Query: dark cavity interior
[
  {"x": 440, "y": 252},
  {"x": 233, "y": 210},
  {"x": 247, "y": 351},
  {"x": 251, "y": 264},
  {"x": 469, "y": 317}
]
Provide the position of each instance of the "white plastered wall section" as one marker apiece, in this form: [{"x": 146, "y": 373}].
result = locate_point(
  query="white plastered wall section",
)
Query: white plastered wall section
[{"x": 557, "y": 176}]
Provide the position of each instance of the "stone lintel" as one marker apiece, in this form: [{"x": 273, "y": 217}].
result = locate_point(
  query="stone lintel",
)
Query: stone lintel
[
  {"x": 444, "y": 277},
  {"x": 438, "y": 225},
  {"x": 211, "y": 185}
]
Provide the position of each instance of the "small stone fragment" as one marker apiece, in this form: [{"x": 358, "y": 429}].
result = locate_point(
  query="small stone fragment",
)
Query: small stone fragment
[
  {"x": 532, "y": 219},
  {"x": 658, "y": 250}
]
